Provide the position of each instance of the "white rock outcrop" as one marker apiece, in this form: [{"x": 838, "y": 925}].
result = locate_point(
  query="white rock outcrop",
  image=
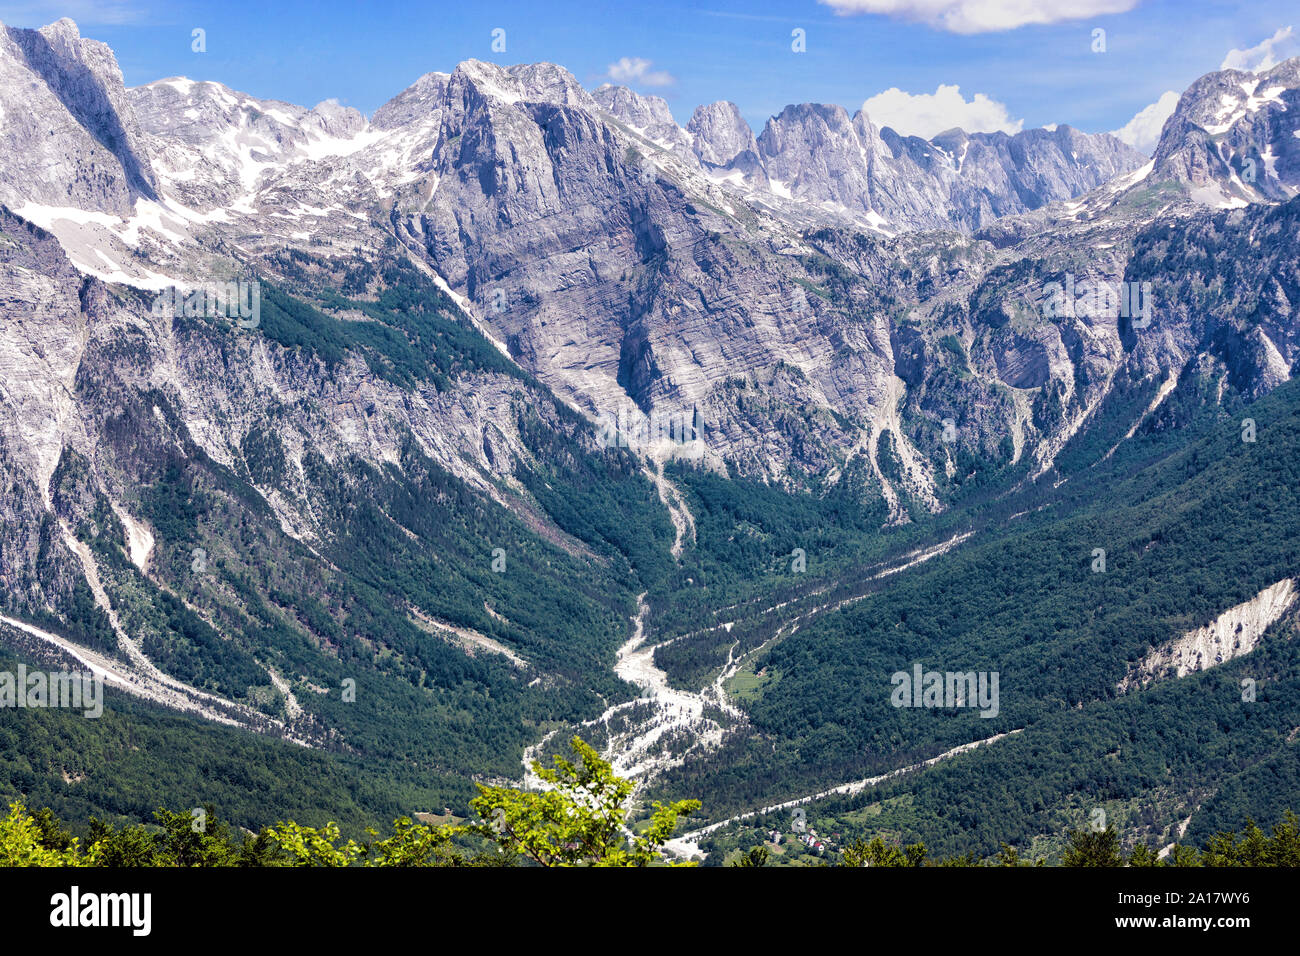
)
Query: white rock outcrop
[{"x": 1233, "y": 633}]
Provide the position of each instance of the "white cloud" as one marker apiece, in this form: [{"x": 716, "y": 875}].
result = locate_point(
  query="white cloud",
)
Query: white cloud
[
  {"x": 1142, "y": 132},
  {"x": 633, "y": 69},
  {"x": 982, "y": 16},
  {"x": 1264, "y": 55},
  {"x": 925, "y": 114}
]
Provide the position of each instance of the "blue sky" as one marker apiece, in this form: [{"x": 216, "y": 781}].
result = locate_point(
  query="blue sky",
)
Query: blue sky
[{"x": 696, "y": 52}]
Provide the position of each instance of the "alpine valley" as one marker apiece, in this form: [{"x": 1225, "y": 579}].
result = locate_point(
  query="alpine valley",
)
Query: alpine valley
[{"x": 541, "y": 415}]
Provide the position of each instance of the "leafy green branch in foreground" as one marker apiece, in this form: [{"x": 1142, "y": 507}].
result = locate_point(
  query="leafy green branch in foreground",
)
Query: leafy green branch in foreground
[{"x": 577, "y": 819}]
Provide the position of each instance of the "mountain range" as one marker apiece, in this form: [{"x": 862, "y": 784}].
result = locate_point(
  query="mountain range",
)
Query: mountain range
[{"x": 530, "y": 362}]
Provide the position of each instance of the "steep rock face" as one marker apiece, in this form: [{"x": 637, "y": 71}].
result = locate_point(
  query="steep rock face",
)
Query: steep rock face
[
  {"x": 45, "y": 334},
  {"x": 826, "y": 160},
  {"x": 604, "y": 280},
  {"x": 912, "y": 179},
  {"x": 213, "y": 143},
  {"x": 512, "y": 172},
  {"x": 1242, "y": 265},
  {"x": 720, "y": 134},
  {"x": 814, "y": 153},
  {"x": 337, "y": 413},
  {"x": 721, "y": 139},
  {"x": 70, "y": 138},
  {"x": 42, "y": 338}
]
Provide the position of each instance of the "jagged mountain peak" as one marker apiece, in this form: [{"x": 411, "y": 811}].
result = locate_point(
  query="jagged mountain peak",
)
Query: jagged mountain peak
[
  {"x": 624, "y": 101},
  {"x": 1216, "y": 99},
  {"x": 204, "y": 102},
  {"x": 215, "y": 146},
  {"x": 525, "y": 82},
  {"x": 418, "y": 102},
  {"x": 333, "y": 119},
  {"x": 719, "y": 133},
  {"x": 646, "y": 114},
  {"x": 61, "y": 96},
  {"x": 1231, "y": 138},
  {"x": 828, "y": 114},
  {"x": 64, "y": 29},
  {"x": 954, "y": 136}
]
